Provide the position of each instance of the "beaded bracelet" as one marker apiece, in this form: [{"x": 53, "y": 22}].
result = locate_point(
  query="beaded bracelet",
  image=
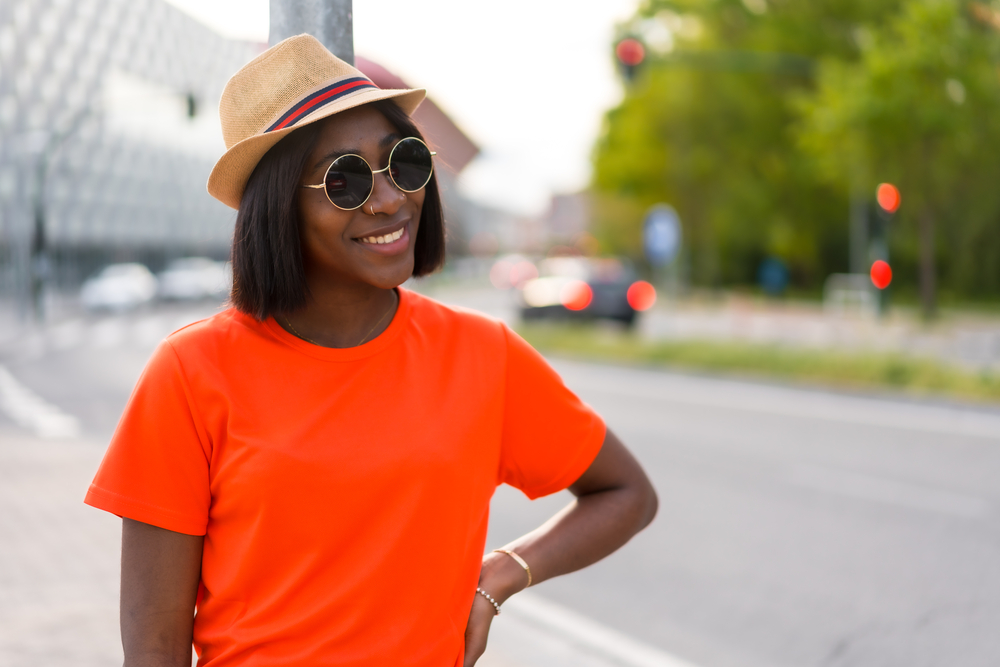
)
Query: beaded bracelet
[{"x": 496, "y": 605}]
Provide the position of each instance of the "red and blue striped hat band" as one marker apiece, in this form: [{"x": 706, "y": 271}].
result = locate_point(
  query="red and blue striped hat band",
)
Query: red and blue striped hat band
[{"x": 319, "y": 99}]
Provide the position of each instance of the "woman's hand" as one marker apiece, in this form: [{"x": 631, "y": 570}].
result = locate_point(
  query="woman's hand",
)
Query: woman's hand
[
  {"x": 477, "y": 630},
  {"x": 501, "y": 577}
]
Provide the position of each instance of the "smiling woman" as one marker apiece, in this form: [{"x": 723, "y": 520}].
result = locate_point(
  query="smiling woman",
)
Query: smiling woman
[
  {"x": 305, "y": 478},
  {"x": 280, "y": 224}
]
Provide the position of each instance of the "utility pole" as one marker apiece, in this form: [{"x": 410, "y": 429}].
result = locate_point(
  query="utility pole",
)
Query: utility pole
[{"x": 329, "y": 21}]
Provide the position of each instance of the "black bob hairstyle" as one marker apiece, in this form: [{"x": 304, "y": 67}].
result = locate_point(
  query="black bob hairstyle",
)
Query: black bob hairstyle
[{"x": 268, "y": 272}]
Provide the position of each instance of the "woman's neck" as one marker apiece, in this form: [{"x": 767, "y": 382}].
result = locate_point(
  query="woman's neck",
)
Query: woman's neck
[{"x": 342, "y": 317}]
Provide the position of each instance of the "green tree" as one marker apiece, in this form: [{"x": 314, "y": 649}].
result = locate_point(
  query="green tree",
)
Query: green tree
[
  {"x": 756, "y": 118},
  {"x": 707, "y": 126},
  {"x": 918, "y": 109}
]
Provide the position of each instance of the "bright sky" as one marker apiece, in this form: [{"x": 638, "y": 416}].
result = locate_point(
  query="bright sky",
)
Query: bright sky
[{"x": 528, "y": 80}]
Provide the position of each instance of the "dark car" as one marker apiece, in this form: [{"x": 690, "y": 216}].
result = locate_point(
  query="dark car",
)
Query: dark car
[{"x": 580, "y": 288}]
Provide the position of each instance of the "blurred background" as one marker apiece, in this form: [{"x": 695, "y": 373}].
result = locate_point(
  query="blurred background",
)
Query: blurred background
[{"x": 760, "y": 236}]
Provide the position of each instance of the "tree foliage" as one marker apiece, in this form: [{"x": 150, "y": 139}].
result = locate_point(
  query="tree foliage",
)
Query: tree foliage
[{"x": 757, "y": 119}]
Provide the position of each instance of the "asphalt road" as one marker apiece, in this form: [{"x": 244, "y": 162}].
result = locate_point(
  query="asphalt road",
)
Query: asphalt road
[{"x": 796, "y": 527}]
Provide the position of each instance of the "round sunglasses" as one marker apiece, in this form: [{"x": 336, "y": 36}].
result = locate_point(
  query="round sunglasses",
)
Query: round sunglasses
[{"x": 350, "y": 180}]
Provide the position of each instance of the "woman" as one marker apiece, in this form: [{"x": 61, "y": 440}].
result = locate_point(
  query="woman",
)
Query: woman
[{"x": 311, "y": 469}]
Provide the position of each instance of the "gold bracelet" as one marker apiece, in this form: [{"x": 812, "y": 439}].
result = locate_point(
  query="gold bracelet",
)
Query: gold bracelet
[{"x": 520, "y": 561}]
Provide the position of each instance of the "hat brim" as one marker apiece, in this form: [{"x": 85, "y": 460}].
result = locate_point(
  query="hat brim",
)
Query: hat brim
[{"x": 230, "y": 174}]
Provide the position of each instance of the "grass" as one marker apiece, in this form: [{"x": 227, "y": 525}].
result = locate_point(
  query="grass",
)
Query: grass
[{"x": 843, "y": 370}]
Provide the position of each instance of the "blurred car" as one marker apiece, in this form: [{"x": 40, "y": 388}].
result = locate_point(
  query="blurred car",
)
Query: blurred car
[
  {"x": 512, "y": 271},
  {"x": 119, "y": 287},
  {"x": 195, "y": 278},
  {"x": 580, "y": 288}
]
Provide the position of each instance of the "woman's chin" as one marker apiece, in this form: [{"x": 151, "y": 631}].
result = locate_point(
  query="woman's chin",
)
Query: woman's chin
[{"x": 393, "y": 277}]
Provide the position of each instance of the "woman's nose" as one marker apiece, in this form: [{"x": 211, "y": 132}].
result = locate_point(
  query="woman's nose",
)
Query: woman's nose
[{"x": 386, "y": 197}]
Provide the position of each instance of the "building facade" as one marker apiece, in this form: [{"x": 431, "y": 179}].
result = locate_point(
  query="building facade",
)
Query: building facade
[{"x": 108, "y": 131}]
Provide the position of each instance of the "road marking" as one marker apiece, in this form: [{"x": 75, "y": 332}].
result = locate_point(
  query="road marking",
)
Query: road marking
[
  {"x": 587, "y": 636},
  {"x": 889, "y": 491},
  {"x": 780, "y": 401},
  {"x": 30, "y": 410}
]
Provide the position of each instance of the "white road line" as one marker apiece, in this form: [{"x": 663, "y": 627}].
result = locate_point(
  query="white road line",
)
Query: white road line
[
  {"x": 30, "y": 410},
  {"x": 569, "y": 632},
  {"x": 889, "y": 491},
  {"x": 779, "y": 401}
]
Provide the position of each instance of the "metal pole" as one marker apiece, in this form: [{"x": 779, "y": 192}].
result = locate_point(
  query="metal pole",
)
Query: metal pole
[
  {"x": 40, "y": 263},
  {"x": 860, "y": 260},
  {"x": 329, "y": 21}
]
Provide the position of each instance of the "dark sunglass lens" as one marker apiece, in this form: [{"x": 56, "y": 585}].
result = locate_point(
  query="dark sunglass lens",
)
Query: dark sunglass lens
[
  {"x": 348, "y": 181},
  {"x": 410, "y": 165}
]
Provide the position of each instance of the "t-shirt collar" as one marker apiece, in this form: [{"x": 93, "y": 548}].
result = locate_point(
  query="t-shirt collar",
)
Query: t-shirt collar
[{"x": 399, "y": 322}]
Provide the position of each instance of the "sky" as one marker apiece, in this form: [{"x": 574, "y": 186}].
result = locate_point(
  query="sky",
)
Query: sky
[{"x": 527, "y": 80}]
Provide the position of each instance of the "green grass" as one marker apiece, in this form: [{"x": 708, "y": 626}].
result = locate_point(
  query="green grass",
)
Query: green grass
[{"x": 844, "y": 370}]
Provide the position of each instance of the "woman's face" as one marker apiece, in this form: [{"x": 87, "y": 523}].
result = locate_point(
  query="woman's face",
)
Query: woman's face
[{"x": 336, "y": 245}]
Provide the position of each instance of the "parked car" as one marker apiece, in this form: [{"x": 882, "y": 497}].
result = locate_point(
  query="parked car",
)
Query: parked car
[
  {"x": 195, "y": 278},
  {"x": 580, "y": 288},
  {"x": 119, "y": 287}
]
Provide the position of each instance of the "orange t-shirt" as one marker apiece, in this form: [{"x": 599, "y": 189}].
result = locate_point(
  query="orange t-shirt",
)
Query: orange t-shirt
[{"x": 343, "y": 493}]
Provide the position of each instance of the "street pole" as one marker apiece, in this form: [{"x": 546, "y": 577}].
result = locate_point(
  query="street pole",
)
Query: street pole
[
  {"x": 860, "y": 259},
  {"x": 329, "y": 21},
  {"x": 40, "y": 263}
]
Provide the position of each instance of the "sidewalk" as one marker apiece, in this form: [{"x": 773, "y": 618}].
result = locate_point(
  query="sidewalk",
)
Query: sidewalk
[
  {"x": 59, "y": 558},
  {"x": 968, "y": 340}
]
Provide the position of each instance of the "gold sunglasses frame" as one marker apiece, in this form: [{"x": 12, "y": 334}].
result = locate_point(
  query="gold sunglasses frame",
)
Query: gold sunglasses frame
[{"x": 386, "y": 169}]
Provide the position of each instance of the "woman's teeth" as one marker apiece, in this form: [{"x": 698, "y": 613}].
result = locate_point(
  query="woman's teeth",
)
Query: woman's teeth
[{"x": 388, "y": 238}]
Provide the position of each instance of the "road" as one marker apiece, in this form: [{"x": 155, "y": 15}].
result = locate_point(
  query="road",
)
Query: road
[{"x": 796, "y": 527}]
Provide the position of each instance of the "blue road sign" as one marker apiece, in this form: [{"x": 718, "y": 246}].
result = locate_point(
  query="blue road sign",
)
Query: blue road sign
[{"x": 661, "y": 235}]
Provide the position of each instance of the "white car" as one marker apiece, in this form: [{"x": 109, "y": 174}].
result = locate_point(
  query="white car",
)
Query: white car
[
  {"x": 119, "y": 287},
  {"x": 195, "y": 278}
]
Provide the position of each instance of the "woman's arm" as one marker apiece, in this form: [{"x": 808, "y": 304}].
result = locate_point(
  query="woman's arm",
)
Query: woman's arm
[
  {"x": 160, "y": 574},
  {"x": 614, "y": 501}
]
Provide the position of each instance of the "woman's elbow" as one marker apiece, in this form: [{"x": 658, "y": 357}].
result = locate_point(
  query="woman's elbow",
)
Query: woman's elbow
[{"x": 647, "y": 503}]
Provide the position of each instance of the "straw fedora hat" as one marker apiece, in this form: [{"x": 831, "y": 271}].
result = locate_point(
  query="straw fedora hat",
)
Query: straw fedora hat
[{"x": 292, "y": 84}]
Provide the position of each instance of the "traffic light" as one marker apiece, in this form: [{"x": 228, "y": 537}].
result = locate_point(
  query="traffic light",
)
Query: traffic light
[
  {"x": 630, "y": 53},
  {"x": 888, "y": 197},
  {"x": 881, "y": 274}
]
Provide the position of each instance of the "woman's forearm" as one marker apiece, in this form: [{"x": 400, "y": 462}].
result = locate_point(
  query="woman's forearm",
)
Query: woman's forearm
[{"x": 615, "y": 500}]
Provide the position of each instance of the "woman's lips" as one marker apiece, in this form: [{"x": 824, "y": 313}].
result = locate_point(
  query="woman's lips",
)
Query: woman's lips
[{"x": 389, "y": 243}]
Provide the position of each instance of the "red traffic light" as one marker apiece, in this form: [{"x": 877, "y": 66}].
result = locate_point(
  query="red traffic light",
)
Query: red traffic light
[
  {"x": 630, "y": 52},
  {"x": 888, "y": 197},
  {"x": 881, "y": 274}
]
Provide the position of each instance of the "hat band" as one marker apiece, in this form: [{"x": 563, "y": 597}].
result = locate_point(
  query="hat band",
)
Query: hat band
[{"x": 319, "y": 99}]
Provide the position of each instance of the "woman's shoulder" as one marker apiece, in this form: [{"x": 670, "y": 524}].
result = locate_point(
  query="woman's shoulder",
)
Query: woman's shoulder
[
  {"x": 428, "y": 312},
  {"x": 224, "y": 330}
]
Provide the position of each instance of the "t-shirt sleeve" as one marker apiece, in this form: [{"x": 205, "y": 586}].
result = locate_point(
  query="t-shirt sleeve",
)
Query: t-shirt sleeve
[
  {"x": 550, "y": 437},
  {"x": 156, "y": 469}
]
